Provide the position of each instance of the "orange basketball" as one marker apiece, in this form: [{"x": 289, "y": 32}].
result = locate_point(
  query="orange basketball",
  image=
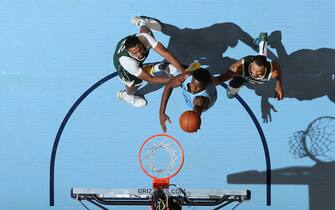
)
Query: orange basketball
[{"x": 190, "y": 121}]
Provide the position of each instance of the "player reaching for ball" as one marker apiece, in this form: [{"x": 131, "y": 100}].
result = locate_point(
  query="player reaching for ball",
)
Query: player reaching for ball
[{"x": 198, "y": 91}]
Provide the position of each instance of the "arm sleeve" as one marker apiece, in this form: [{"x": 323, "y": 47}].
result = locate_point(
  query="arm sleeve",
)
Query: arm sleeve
[
  {"x": 130, "y": 65},
  {"x": 149, "y": 40}
]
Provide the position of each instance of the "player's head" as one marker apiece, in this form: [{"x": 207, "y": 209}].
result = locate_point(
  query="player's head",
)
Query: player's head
[
  {"x": 258, "y": 65},
  {"x": 135, "y": 47},
  {"x": 199, "y": 80}
]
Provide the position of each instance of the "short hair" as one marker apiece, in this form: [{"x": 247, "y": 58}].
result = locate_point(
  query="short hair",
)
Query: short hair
[
  {"x": 260, "y": 60},
  {"x": 131, "y": 41},
  {"x": 201, "y": 75}
]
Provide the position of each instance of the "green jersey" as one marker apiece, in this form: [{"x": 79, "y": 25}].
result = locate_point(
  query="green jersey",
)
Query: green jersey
[{"x": 129, "y": 66}]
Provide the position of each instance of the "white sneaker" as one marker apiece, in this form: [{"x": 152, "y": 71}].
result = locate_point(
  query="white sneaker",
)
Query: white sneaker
[
  {"x": 231, "y": 92},
  {"x": 151, "y": 23},
  {"x": 167, "y": 68},
  {"x": 133, "y": 100}
]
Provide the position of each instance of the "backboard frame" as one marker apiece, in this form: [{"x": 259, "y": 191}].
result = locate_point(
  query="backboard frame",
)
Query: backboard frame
[{"x": 101, "y": 197}]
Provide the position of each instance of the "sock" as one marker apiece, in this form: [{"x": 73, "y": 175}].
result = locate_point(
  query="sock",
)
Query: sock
[
  {"x": 169, "y": 69},
  {"x": 232, "y": 90},
  {"x": 173, "y": 70},
  {"x": 142, "y": 23},
  {"x": 263, "y": 48}
]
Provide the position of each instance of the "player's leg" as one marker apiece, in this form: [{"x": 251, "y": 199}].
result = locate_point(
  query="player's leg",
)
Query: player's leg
[
  {"x": 132, "y": 83},
  {"x": 132, "y": 89},
  {"x": 234, "y": 86},
  {"x": 146, "y": 24},
  {"x": 168, "y": 69},
  {"x": 128, "y": 95},
  {"x": 262, "y": 41}
]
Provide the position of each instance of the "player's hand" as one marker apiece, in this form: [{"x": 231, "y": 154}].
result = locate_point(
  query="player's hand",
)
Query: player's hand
[
  {"x": 266, "y": 113},
  {"x": 163, "y": 118},
  {"x": 279, "y": 95}
]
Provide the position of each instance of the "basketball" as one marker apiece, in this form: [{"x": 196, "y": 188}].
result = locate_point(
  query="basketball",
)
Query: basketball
[{"x": 190, "y": 121}]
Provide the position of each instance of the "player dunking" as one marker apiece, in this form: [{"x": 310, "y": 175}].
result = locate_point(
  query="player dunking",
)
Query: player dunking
[{"x": 198, "y": 91}]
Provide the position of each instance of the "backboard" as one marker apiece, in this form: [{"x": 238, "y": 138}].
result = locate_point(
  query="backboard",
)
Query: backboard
[{"x": 147, "y": 197}]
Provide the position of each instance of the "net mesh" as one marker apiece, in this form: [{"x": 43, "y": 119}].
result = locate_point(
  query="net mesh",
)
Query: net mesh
[
  {"x": 296, "y": 145},
  {"x": 318, "y": 141},
  {"x": 161, "y": 157}
]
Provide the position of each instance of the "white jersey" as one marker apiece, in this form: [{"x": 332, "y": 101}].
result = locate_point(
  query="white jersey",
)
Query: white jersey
[
  {"x": 209, "y": 92},
  {"x": 132, "y": 64}
]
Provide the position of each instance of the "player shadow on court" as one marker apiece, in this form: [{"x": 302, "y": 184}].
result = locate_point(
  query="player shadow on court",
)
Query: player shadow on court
[
  {"x": 207, "y": 45},
  {"x": 306, "y": 74},
  {"x": 316, "y": 143}
]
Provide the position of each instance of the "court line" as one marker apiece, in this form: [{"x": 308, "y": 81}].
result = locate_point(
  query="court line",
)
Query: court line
[{"x": 105, "y": 79}]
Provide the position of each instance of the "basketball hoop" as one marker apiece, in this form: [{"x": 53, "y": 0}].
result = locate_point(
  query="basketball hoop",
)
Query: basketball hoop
[
  {"x": 161, "y": 157},
  {"x": 317, "y": 142}
]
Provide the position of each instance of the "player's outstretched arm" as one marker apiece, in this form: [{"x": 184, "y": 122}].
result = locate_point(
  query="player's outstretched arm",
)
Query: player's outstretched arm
[
  {"x": 234, "y": 70},
  {"x": 174, "y": 82},
  {"x": 249, "y": 40},
  {"x": 153, "y": 79},
  {"x": 222, "y": 78},
  {"x": 276, "y": 74},
  {"x": 165, "y": 53},
  {"x": 165, "y": 98}
]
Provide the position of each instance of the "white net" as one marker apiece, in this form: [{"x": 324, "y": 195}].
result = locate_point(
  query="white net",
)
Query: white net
[{"x": 161, "y": 157}]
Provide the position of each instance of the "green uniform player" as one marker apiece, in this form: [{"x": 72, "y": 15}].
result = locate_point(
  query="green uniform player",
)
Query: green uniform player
[
  {"x": 254, "y": 70},
  {"x": 129, "y": 57}
]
